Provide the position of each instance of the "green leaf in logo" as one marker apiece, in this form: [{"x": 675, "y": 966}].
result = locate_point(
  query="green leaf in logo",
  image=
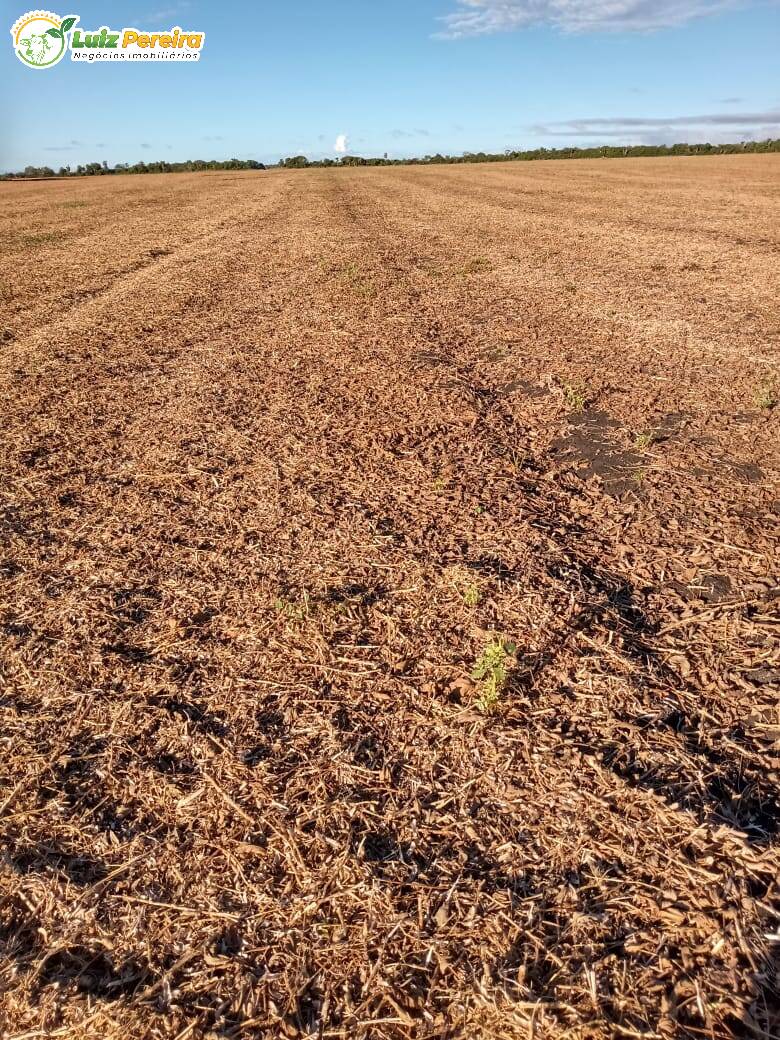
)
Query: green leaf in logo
[
  {"x": 67, "y": 24},
  {"x": 55, "y": 33}
]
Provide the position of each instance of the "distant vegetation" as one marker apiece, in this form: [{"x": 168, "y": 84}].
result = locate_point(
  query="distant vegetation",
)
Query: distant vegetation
[
  {"x": 103, "y": 169},
  {"x": 601, "y": 152},
  {"x": 296, "y": 162}
]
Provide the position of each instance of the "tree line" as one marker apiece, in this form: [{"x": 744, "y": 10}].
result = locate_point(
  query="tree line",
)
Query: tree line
[
  {"x": 303, "y": 162},
  {"x": 527, "y": 155},
  {"x": 101, "y": 169}
]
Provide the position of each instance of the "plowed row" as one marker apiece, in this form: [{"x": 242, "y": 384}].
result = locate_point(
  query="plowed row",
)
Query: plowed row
[{"x": 281, "y": 455}]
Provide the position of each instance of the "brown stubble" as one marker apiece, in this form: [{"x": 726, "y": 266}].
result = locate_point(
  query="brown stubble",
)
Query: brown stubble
[{"x": 252, "y": 468}]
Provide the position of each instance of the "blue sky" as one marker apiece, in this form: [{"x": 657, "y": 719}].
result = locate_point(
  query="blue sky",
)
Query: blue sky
[{"x": 406, "y": 77}]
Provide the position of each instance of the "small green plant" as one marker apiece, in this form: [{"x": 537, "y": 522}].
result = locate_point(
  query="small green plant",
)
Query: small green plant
[
  {"x": 471, "y": 595},
  {"x": 476, "y": 265},
  {"x": 39, "y": 238},
  {"x": 291, "y": 610},
  {"x": 576, "y": 397},
  {"x": 492, "y": 671},
  {"x": 363, "y": 287},
  {"x": 352, "y": 275},
  {"x": 644, "y": 440},
  {"x": 766, "y": 397}
]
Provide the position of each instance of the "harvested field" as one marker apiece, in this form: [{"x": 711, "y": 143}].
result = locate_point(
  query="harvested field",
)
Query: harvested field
[{"x": 389, "y": 597}]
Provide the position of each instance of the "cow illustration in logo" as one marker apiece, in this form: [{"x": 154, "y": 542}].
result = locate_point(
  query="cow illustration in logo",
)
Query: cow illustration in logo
[{"x": 40, "y": 38}]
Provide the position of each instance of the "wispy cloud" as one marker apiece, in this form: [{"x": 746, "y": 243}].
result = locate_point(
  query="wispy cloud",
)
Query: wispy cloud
[
  {"x": 480, "y": 17},
  {"x": 163, "y": 14},
  {"x": 405, "y": 134},
  {"x": 707, "y": 119},
  {"x": 213, "y": 137},
  {"x": 63, "y": 147},
  {"x": 724, "y": 126},
  {"x": 341, "y": 144}
]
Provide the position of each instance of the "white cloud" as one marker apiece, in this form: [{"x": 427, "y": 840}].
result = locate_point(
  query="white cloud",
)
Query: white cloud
[
  {"x": 341, "y": 145},
  {"x": 479, "y": 17}
]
